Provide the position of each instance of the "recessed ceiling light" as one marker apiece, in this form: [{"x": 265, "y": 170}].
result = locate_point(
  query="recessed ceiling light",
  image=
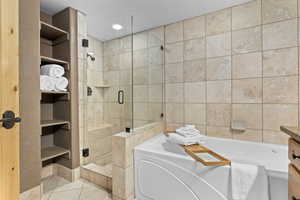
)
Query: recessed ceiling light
[{"x": 117, "y": 27}]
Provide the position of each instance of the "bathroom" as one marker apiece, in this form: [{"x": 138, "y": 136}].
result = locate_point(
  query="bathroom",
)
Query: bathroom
[{"x": 150, "y": 100}]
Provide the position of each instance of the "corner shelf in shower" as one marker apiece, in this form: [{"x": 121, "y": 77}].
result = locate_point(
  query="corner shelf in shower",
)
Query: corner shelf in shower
[
  {"x": 53, "y": 152},
  {"x": 102, "y": 86},
  {"x": 53, "y": 33}
]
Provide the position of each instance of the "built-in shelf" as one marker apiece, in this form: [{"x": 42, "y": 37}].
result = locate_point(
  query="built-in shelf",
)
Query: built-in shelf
[
  {"x": 53, "y": 33},
  {"x": 53, "y": 152},
  {"x": 48, "y": 60},
  {"x": 54, "y": 92},
  {"x": 55, "y": 96},
  {"x": 47, "y": 123}
]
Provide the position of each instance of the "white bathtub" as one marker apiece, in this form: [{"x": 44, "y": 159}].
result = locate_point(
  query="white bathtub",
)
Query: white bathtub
[{"x": 164, "y": 173}]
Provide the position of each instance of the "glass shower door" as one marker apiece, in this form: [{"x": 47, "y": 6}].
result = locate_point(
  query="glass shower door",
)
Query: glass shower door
[{"x": 108, "y": 101}]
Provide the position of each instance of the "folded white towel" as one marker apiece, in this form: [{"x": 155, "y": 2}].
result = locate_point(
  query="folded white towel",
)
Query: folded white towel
[
  {"x": 61, "y": 84},
  {"x": 52, "y": 70},
  {"x": 186, "y": 141},
  {"x": 188, "y": 131},
  {"x": 249, "y": 182},
  {"x": 47, "y": 83}
]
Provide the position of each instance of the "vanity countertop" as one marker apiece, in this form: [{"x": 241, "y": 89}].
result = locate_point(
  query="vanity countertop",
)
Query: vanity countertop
[{"x": 294, "y": 132}]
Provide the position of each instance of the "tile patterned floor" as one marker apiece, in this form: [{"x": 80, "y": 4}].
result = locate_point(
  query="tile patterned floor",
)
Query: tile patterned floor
[{"x": 57, "y": 188}]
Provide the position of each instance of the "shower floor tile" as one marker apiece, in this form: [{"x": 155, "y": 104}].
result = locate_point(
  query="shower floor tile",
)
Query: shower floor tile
[{"x": 57, "y": 188}]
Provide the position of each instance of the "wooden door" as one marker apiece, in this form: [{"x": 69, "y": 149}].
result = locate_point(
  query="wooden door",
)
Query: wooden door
[{"x": 9, "y": 99}]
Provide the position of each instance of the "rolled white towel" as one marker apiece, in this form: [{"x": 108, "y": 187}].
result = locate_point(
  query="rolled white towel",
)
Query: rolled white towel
[
  {"x": 52, "y": 70},
  {"x": 186, "y": 141},
  {"x": 47, "y": 83},
  {"x": 61, "y": 84}
]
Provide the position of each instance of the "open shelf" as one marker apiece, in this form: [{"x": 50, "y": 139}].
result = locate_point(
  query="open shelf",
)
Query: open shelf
[
  {"x": 53, "y": 152},
  {"x": 48, "y": 60},
  {"x": 54, "y": 92},
  {"x": 53, "y": 33},
  {"x": 47, "y": 123}
]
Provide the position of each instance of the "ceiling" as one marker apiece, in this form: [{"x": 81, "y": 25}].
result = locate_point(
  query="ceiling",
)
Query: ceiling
[{"x": 146, "y": 13}]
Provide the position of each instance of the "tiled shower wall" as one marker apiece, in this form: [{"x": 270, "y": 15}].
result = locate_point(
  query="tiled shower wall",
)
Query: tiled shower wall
[{"x": 239, "y": 63}]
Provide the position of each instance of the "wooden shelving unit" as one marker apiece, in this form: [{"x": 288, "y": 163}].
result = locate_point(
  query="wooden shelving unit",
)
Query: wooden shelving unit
[
  {"x": 58, "y": 122},
  {"x": 53, "y": 152}
]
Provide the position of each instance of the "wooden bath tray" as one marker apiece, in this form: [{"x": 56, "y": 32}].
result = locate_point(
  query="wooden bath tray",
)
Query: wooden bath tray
[{"x": 199, "y": 152}]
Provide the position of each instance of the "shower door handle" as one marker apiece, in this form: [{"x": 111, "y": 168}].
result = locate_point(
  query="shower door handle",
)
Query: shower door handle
[{"x": 121, "y": 97}]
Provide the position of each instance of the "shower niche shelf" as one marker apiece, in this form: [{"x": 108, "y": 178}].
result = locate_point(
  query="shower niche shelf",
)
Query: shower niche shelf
[
  {"x": 102, "y": 86},
  {"x": 51, "y": 152}
]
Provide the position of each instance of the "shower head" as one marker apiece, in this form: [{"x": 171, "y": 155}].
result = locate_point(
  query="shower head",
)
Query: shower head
[{"x": 91, "y": 55}]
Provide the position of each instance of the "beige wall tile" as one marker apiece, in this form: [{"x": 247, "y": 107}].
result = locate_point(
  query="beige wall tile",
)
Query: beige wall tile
[
  {"x": 247, "y": 91},
  {"x": 278, "y": 10},
  {"x": 195, "y": 92},
  {"x": 174, "y": 32},
  {"x": 155, "y": 93},
  {"x": 281, "y": 90},
  {"x": 223, "y": 132},
  {"x": 155, "y": 74},
  {"x": 246, "y": 40},
  {"x": 195, "y": 114},
  {"x": 140, "y": 58},
  {"x": 141, "y": 111},
  {"x": 174, "y": 73},
  {"x": 247, "y": 65},
  {"x": 173, "y": 127},
  {"x": 155, "y": 56},
  {"x": 140, "y": 41},
  {"x": 194, "y": 71},
  {"x": 249, "y": 135},
  {"x": 125, "y": 60},
  {"x": 194, "y": 49},
  {"x": 286, "y": 35},
  {"x": 123, "y": 182},
  {"x": 140, "y": 76},
  {"x": 174, "y": 52},
  {"x": 250, "y": 113},
  {"x": 246, "y": 15},
  {"x": 219, "y": 91},
  {"x": 280, "y": 62},
  {"x": 275, "y": 137},
  {"x": 218, "y": 45},
  {"x": 174, "y": 93},
  {"x": 218, "y": 22},
  {"x": 156, "y": 37},
  {"x": 155, "y": 110},
  {"x": 219, "y": 68},
  {"x": 276, "y": 115},
  {"x": 218, "y": 115},
  {"x": 174, "y": 113},
  {"x": 140, "y": 93},
  {"x": 194, "y": 27}
]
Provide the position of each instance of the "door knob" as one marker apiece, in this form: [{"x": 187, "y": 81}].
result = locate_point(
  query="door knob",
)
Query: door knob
[{"x": 8, "y": 119}]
